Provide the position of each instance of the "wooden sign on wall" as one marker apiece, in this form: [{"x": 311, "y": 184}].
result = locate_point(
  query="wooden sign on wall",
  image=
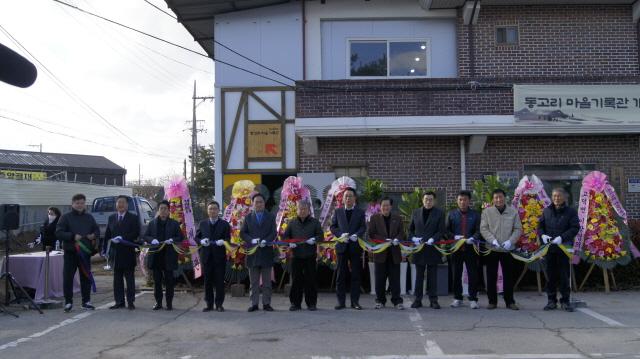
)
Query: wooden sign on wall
[{"x": 264, "y": 140}]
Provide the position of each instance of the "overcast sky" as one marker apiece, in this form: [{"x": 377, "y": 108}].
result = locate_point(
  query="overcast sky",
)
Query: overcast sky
[{"x": 135, "y": 82}]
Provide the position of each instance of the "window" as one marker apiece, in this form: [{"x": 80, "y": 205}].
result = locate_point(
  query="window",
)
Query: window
[
  {"x": 388, "y": 58},
  {"x": 146, "y": 210},
  {"x": 507, "y": 35}
]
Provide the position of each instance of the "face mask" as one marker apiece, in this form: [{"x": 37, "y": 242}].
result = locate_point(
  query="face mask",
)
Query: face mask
[{"x": 51, "y": 218}]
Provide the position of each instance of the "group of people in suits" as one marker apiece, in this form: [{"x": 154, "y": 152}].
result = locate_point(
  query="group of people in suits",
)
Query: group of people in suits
[{"x": 498, "y": 227}]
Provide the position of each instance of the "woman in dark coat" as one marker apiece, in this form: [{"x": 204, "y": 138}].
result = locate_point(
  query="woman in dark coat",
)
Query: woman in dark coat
[{"x": 48, "y": 229}]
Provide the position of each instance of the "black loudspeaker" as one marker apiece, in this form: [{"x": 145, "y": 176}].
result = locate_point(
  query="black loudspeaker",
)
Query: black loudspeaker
[{"x": 9, "y": 216}]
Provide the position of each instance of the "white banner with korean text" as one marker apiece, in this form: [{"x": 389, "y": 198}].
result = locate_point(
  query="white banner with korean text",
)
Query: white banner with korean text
[{"x": 577, "y": 104}]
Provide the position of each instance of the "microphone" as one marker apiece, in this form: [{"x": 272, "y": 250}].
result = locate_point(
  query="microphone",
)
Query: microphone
[{"x": 15, "y": 69}]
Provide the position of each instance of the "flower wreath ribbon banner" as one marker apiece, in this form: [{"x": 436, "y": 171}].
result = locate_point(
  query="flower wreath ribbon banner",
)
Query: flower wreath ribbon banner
[
  {"x": 335, "y": 193},
  {"x": 177, "y": 192},
  {"x": 595, "y": 186},
  {"x": 235, "y": 213}
]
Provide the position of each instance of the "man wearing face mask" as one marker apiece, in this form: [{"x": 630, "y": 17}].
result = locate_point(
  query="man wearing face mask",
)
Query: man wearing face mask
[
  {"x": 78, "y": 232},
  {"x": 123, "y": 226},
  {"x": 500, "y": 226},
  {"x": 163, "y": 232},
  {"x": 427, "y": 226},
  {"x": 348, "y": 223},
  {"x": 559, "y": 225},
  {"x": 211, "y": 235},
  {"x": 388, "y": 227},
  {"x": 259, "y": 229}
]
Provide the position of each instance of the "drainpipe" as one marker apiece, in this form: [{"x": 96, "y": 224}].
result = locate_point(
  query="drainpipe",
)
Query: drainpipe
[
  {"x": 304, "y": 41},
  {"x": 472, "y": 52},
  {"x": 463, "y": 165}
]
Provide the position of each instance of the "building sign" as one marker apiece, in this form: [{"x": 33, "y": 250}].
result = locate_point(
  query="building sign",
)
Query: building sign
[
  {"x": 634, "y": 185},
  {"x": 23, "y": 175},
  {"x": 577, "y": 104},
  {"x": 264, "y": 140}
]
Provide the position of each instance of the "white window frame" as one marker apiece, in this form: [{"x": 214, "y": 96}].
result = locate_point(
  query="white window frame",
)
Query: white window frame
[{"x": 349, "y": 40}]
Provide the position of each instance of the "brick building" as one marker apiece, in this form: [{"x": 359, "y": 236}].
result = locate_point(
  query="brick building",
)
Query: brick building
[{"x": 424, "y": 93}]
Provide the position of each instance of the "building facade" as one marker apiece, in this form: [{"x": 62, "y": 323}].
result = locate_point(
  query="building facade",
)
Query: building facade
[{"x": 433, "y": 94}]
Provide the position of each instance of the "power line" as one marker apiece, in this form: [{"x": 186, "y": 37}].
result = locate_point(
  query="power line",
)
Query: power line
[
  {"x": 159, "y": 9},
  {"x": 173, "y": 44},
  {"x": 86, "y": 140},
  {"x": 65, "y": 88}
]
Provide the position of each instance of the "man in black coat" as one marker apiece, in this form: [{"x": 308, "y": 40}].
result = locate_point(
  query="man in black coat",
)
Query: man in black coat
[
  {"x": 78, "y": 231},
  {"x": 163, "y": 230},
  {"x": 123, "y": 226},
  {"x": 559, "y": 225},
  {"x": 211, "y": 235},
  {"x": 427, "y": 226},
  {"x": 349, "y": 223},
  {"x": 259, "y": 229}
]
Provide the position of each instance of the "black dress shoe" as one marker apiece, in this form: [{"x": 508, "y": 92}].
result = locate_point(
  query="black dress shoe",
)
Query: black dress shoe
[
  {"x": 356, "y": 306},
  {"x": 169, "y": 306},
  {"x": 551, "y": 306},
  {"x": 131, "y": 306},
  {"x": 252, "y": 308},
  {"x": 117, "y": 306},
  {"x": 220, "y": 308},
  {"x": 294, "y": 308},
  {"x": 567, "y": 307},
  {"x": 434, "y": 305},
  {"x": 312, "y": 308},
  {"x": 207, "y": 309},
  {"x": 158, "y": 306},
  {"x": 416, "y": 304},
  {"x": 267, "y": 308},
  {"x": 339, "y": 307}
]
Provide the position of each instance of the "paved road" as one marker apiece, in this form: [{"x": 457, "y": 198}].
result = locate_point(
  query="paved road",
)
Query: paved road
[{"x": 609, "y": 327}]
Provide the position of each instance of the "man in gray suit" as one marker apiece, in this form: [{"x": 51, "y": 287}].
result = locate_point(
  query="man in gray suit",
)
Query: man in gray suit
[
  {"x": 349, "y": 221},
  {"x": 427, "y": 226},
  {"x": 259, "y": 229}
]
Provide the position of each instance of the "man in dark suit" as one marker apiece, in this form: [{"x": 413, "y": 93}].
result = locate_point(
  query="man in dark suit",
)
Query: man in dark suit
[
  {"x": 163, "y": 230},
  {"x": 427, "y": 226},
  {"x": 123, "y": 225},
  {"x": 388, "y": 227},
  {"x": 559, "y": 225},
  {"x": 259, "y": 229},
  {"x": 212, "y": 233},
  {"x": 348, "y": 223}
]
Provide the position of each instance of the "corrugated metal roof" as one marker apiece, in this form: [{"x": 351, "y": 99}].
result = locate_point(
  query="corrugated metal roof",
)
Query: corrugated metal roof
[
  {"x": 197, "y": 16},
  {"x": 452, "y": 4},
  {"x": 9, "y": 158}
]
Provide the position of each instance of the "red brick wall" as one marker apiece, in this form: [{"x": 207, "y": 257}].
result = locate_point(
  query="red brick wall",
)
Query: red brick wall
[
  {"x": 561, "y": 40},
  {"x": 434, "y": 162}
]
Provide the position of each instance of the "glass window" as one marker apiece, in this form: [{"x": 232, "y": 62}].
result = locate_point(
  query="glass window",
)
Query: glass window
[
  {"x": 146, "y": 210},
  {"x": 369, "y": 58},
  {"x": 507, "y": 35},
  {"x": 408, "y": 58}
]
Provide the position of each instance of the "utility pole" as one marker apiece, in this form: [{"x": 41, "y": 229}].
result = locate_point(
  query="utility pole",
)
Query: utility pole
[
  {"x": 139, "y": 174},
  {"x": 185, "y": 169},
  {"x": 194, "y": 138}
]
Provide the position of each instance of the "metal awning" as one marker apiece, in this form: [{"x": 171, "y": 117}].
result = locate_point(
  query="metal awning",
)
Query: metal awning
[
  {"x": 453, "y": 4},
  {"x": 197, "y": 16}
]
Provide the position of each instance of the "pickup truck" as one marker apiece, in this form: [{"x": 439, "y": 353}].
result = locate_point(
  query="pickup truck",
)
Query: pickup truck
[{"x": 103, "y": 207}]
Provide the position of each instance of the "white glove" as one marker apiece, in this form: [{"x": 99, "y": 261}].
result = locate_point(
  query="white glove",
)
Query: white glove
[
  {"x": 430, "y": 241},
  {"x": 220, "y": 242},
  {"x": 169, "y": 241},
  {"x": 416, "y": 240},
  {"x": 458, "y": 237},
  {"x": 557, "y": 240},
  {"x": 470, "y": 240},
  {"x": 205, "y": 242},
  {"x": 311, "y": 241},
  {"x": 292, "y": 245},
  {"x": 39, "y": 239},
  {"x": 353, "y": 238},
  {"x": 116, "y": 239},
  {"x": 388, "y": 239},
  {"x": 155, "y": 242},
  {"x": 263, "y": 243},
  {"x": 495, "y": 243},
  {"x": 506, "y": 245},
  {"x": 255, "y": 241},
  {"x": 545, "y": 238},
  {"x": 395, "y": 242}
]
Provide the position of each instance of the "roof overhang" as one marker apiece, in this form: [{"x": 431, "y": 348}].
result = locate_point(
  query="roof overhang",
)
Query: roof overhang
[{"x": 454, "y": 4}]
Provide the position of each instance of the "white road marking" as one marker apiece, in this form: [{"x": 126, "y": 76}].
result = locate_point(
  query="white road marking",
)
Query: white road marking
[
  {"x": 611, "y": 322},
  {"x": 464, "y": 356},
  {"x": 430, "y": 346},
  {"x": 63, "y": 323}
]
